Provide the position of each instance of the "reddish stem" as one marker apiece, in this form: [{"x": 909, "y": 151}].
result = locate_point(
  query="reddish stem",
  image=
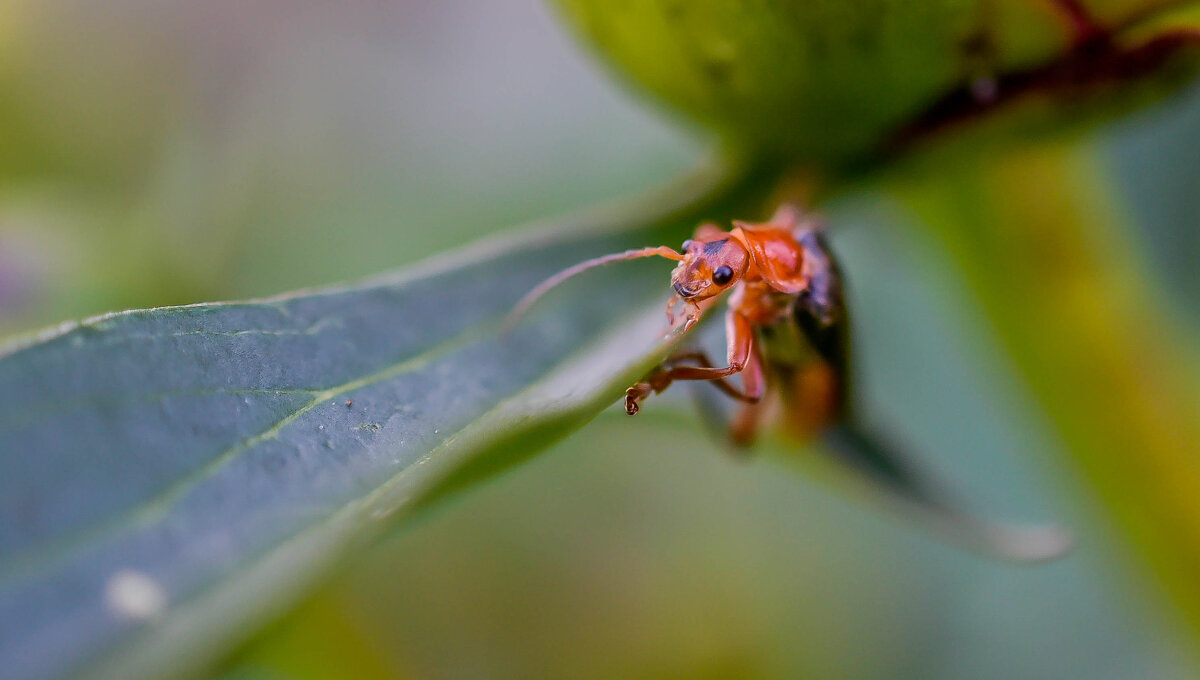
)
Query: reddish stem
[{"x": 1084, "y": 28}]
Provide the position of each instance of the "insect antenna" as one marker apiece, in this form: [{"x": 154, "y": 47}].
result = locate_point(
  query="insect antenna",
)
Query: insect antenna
[{"x": 545, "y": 286}]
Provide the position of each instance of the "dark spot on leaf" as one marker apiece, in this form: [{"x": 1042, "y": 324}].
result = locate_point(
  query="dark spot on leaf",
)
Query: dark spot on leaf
[
  {"x": 977, "y": 46},
  {"x": 718, "y": 71},
  {"x": 865, "y": 37}
]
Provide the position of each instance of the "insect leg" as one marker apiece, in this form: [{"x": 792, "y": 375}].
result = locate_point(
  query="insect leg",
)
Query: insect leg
[
  {"x": 743, "y": 429},
  {"x": 700, "y": 359},
  {"x": 739, "y": 336},
  {"x": 741, "y": 353},
  {"x": 740, "y": 427}
]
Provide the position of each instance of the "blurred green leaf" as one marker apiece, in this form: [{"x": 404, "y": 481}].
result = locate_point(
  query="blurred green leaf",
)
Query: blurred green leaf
[
  {"x": 638, "y": 548},
  {"x": 171, "y": 476},
  {"x": 1043, "y": 253},
  {"x": 837, "y": 84},
  {"x": 326, "y": 642}
]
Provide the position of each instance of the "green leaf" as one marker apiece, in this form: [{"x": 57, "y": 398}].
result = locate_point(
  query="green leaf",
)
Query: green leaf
[
  {"x": 841, "y": 84},
  {"x": 1046, "y": 258},
  {"x": 171, "y": 476}
]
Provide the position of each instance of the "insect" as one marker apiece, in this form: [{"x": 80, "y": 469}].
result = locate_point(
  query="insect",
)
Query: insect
[
  {"x": 787, "y": 340},
  {"x": 786, "y": 324}
]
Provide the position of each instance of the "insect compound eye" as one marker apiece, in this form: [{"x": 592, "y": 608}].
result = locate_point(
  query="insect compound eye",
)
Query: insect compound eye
[
  {"x": 723, "y": 275},
  {"x": 687, "y": 245}
]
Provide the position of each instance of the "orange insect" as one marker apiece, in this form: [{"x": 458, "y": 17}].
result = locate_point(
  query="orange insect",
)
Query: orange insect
[
  {"x": 785, "y": 326},
  {"x": 787, "y": 338}
]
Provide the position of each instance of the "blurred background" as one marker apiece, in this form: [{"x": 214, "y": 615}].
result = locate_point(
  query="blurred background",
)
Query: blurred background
[{"x": 174, "y": 152}]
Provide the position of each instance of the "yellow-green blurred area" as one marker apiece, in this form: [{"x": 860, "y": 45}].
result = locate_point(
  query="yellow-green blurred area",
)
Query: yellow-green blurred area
[{"x": 177, "y": 152}]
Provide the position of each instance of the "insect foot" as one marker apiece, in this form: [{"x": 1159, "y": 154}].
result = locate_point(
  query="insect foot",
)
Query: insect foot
[{"x": 634, "y": 396}]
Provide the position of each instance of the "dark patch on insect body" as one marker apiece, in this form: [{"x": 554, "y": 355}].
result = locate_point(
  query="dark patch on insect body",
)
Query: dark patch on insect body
[
  {"x": 829, "y": 340},
  {"x": 820, "y": 310},
  {"x": 714, "y": 247},
  {"x": 824, "y": 299},
  {"x": 783, "y": 343},
  {"x": 806, "y": 350},
  {"x": 811, "y": 387}
]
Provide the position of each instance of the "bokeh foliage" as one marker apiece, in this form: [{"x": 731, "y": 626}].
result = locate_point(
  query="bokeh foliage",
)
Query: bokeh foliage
[
  {"x": 832, "y": 88},
  {"x": 835, "y": 84},
  {"x": 832, "y": 84}
]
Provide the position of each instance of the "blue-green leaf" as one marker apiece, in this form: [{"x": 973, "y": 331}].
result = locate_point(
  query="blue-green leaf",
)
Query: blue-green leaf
[{"x": 169, "y": 478}]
